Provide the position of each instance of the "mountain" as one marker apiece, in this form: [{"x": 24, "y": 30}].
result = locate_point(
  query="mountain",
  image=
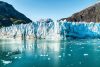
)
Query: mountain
[
  {"x": 9, "y": 15},
  {"x": 90, "y": 14}
]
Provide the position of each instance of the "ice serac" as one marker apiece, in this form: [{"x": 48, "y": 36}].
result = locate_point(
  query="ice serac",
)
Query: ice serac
[
  {"x": 45, "y": 27},
  {"x": 79, "y": 29}
]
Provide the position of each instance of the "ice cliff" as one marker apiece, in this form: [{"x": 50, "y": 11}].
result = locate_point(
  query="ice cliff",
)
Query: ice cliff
[
  {"x": 39, "y": 29},
  {"x": 48, "y": 29},
  {"x": 79, "y": 29}
]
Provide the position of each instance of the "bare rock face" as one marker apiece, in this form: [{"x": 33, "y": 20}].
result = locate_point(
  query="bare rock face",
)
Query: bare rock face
[
  {"x": 9, "y": 15},
  {"x": 90, "y": 14}
]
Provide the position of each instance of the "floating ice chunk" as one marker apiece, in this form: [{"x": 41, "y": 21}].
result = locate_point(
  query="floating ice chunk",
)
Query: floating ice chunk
[
  {"x": 99, "y": 46},
  {"x": 63, "y": 54},
  {"x": 15, "y": 57},
  {"x": 59, "y": 56},
  {"x": 69, "y": 54},
  {"x": 49, "y": 58},
  {"x": 6, "y": 62},
  {"x": 82, "y": 47},
  {"x": 85, "y": 54},
  {"x": 71, "y": 50},
  {"x": 7, "y": 55},
  {"x": 19, "y": 57},
  {"x": 41, "y": 55},
  {"x": 46, "y": 55}
]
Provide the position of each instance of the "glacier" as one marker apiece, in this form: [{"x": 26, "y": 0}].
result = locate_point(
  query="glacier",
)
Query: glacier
[
  {"x": 39, "y": 29},
  {"x": 79, "y": 29},
  {"x": 48, "y": 29}
]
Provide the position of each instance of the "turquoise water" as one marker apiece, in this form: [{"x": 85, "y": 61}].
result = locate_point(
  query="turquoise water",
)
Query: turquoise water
[{"x": 46, "y": 53}]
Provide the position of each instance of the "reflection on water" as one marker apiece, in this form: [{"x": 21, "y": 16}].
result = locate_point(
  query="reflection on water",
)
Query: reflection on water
[{"x": 45, "y": 53}]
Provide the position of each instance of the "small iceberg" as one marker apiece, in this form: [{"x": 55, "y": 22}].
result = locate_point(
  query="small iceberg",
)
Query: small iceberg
[
  {"x": 85, "y": 54},
  {"x": 6, "y": 62}
]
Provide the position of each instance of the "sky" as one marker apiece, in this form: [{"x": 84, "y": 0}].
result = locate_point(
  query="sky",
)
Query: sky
[{"x": 55, "y": 9}]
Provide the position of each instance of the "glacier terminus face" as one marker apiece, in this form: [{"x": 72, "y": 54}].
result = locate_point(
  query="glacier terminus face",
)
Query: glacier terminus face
[
  {"x": 48, "y": 29},
  {"x": 79, "y": 29}
]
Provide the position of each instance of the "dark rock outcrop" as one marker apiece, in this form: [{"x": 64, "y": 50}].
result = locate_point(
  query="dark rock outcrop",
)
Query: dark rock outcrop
[
  {"x": 9, "y": 15},
  {"x": 90, "y": 14}
]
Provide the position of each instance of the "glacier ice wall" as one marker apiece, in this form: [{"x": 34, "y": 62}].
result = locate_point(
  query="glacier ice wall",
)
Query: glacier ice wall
[
  {"x": 43, "y": 28},
  {"x": 38, "y": 29},
  {"x": 79, "y": 29},
  {"x": 47, "y": 29}
]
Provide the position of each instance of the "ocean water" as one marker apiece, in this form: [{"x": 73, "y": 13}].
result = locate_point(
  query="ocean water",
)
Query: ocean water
[{"x": 46, "y": 53}]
